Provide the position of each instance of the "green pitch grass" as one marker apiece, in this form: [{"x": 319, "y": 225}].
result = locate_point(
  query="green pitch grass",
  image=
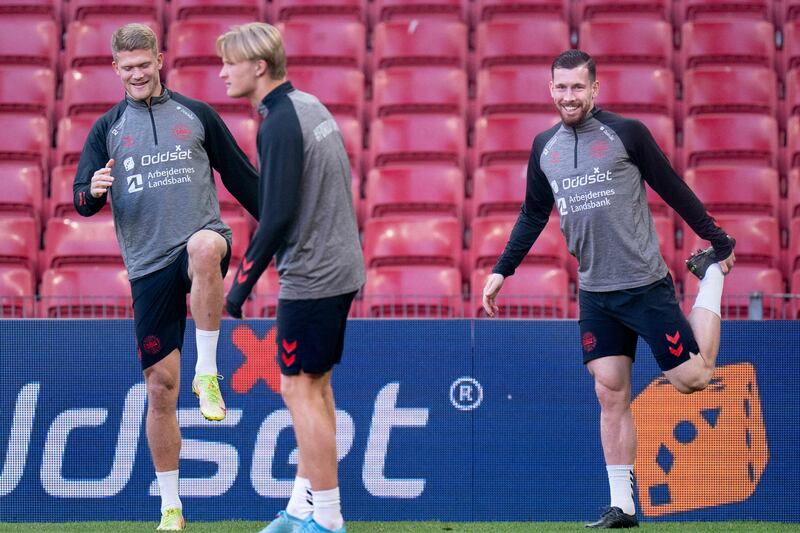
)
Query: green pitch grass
[{"x": 403, "y": 527}]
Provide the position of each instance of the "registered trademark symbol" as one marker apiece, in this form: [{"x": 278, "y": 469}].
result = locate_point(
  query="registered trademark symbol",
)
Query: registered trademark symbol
[{"x": 466, "y": 394}]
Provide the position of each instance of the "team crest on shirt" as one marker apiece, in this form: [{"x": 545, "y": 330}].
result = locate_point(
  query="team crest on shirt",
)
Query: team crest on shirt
[
  {"x": 181, "y": 132},
  {"x": 599, "y": 148}
]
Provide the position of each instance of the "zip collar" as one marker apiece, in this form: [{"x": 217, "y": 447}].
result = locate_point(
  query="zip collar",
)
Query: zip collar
[
  {"x": 585, "y": 124},
  {"x": 154, "y": 100},
  {"x": 273, "y": 96}
]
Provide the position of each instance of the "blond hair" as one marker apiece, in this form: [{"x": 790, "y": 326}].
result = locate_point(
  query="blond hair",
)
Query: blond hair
[
  {"x": 254, "y": 41},
  {"x": 134, "y": 36}
]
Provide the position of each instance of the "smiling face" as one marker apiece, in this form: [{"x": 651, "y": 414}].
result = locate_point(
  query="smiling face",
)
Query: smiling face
[
  {"x": 139, "y": 72},
  {"x": 573, "y": 93}
]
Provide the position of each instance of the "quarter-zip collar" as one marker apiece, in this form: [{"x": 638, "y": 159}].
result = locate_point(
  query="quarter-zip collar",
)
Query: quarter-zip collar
[
  {"x": 273, "y": 96},
  {"x": 154, "y": 100}
]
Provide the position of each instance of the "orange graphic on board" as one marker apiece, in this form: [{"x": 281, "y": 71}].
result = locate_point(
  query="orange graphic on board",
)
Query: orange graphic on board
[
  {"x": 260, "y": 362},
  {"x": 700, "y": 450}
]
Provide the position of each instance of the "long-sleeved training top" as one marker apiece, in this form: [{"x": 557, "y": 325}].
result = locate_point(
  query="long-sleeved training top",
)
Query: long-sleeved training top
[
  {"x": 595, "y": 173},
  {"x": 164, "y": 189},
  {"x": 306, "y": 208}
]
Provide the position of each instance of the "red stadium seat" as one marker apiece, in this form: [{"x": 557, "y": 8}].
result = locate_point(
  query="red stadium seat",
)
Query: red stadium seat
[
  {"x": 91, "y": 90},
  {"x": 793, "y": 196},
  {"x": 241, "y": 237},
  {"x": 61, "y": 196},
  {"x": 793, "y": 252},
  {"x": 655, "y": 90},
  {"x": 420, "y": 42},
  {"x": 421, "y": 9},
  {"x": 29, "y": 41},
  {"x": 32, "y": 8},
  {"x": 193, "y": 42},
  {"x": 341, "y": 90},
  {"x": 724, "y": 138},
  {"x": 792, "y": 84},
  {"x": 400, "y": 90},
  {"x": 86, "y": 292},
  {"x": 795, "y": 301},
  {"x": 736, "y": 189},
  {"x": 498, "y": 189},
  {"x": 353, "y": 136},
  {"x": 507, "y": 138},
  {"x": 757, "y": 239},
  {"x": 628, "y": 41},
  {"x": 491, "y": 233},
  {"x": 513, "y": 9},
  {"x": 743, "y": 282},
  {"x": 715, "y": 9},
  {"x": 203, "y": 83},
  {"x": 534, "y": 291},
  {"x": 245, "y": 130},
  {"x": 265, "y": 301},
  {"x": 616, "y": 9},
  {"x": 730, "y": 89},
  {"x": 17, "y": 292},
  {"x": 727, "y": 41},
  {"x": 353, "y": 10},
  {"x": 514, "y": 89},
  {"x": 324, "y": 42},
  {"x": 217, "y": 9},
  {"x": 413, "y": 292},
  {"x": 88, "y": 9},
  {"x": 228, "y": 205},
  {"x": 662, "y": 128},
  {"x": 24, "y": 137},
  {"x": 420, "y": 241},
  {"x": 509, "y": 42},
  {"x": 415, "y": 190},
  {"x": 88, "y": 42},
  {"x": 19, "y": 244},
  {"x": 400, "y": 139},
  {"x": 22, "y": 188},
  {"x": 665, "y": 229},
  {"x": 39, "y": 91},
  {"x": 70, "y": 138},
  {"x": 87, "y": 242}
]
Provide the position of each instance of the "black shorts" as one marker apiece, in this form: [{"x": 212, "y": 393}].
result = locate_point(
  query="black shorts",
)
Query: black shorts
[
  {"x": 311, "y": 333},
  {"x": 611, "y": 323},
  {"x": 159, "y": 308}
]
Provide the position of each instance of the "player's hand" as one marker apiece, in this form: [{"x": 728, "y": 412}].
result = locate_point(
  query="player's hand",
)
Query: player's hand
[
  {"x": 102, "y": 180},
  {"x": 727, "y": 264},
  {"x": 493, "y": 285}
]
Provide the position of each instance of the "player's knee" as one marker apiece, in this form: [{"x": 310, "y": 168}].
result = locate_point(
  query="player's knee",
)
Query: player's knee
[
  {"x": 162, "y": 389},
  {"x": 204, "y": 254},
  {"x": 694, "y": 382},
  {"x": 611, "y": 398}
]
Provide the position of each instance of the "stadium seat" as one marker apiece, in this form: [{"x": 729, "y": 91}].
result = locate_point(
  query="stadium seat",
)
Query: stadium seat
[
  {"x": 428, "y": 42},
  {"x": 24, "y": 137},
  {"x": 412, "y": 292},
  {"x": 509, "y": 42},
  {"x": 421, "y": 9},
  {"x": 91, "y": 90},
  {"x": 240, "y": 228},
  {"x": 514, "y": 89},
  {"x": 421, "y": 241},
  {"x": 715, "y": 9},
  {"x": 89, "y": 241},
  {"x": 22, "y": 188},
  {"x": 19, "y": 244},
  {"x": 245, "y": 130},
  {"x": 61, "y": 201},
  {"x": 32, "y": 8},
  {"x": 353, "y": 136},
  {"x": 727, "y": 41},
  {"x": 352, "y": 10},
  {"x": 534, "y": 291},
  {"x": 88, "y": 9},
  {"x": 757, "y": 239},
  {"x": 628, "y": 41},
  {"x": 70, "y": 138},
  {"x": 324, "y": 42},
  {"x": 736, "y": 188},
  {"x": 507, "y": 138},
  {"x": 743, "y": 282},
  {"x": 415, "y": 191},
  {"x": 795, "y": 300},
  {"x": 793, "y": 193},
  {"x": 514, "y": 9},
  {"x": 665, "y": 229},
  {"x": 793, "y": 252},
  {"x": 400, "y": 90},
  {"x": 498, "y": 189},
  {"x": 193, "y": 42},
  {"x": 17, "y": 292},
  {"x": 39, "y": 91},
  {"x": 29, "y": 41},
  {"x": 341, "y": 90},
  {"x": 730, "y": 89},
  {"x": 724, "y": 138},
  {"x": 228, "y": 205},
  {"x": 655, "y": 89},
  {"x": 787, "y": 10},
  {"x": 400, "y": 139},
  {"x": 491, "y": 233},
  {"x": 86, "y": 292},
  {"x": 662, "y": 128},
  {"x": 203, "y": 83},
  {"x": 217, "y": 9},
  {"x": 88, "y": 42},
  {"x": 616, "y": 9},
  {"x": 265, "y": 300}
]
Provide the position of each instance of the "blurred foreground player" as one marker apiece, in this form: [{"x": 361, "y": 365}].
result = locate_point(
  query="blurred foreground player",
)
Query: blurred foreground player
[{"x": 173, "y": 242}]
